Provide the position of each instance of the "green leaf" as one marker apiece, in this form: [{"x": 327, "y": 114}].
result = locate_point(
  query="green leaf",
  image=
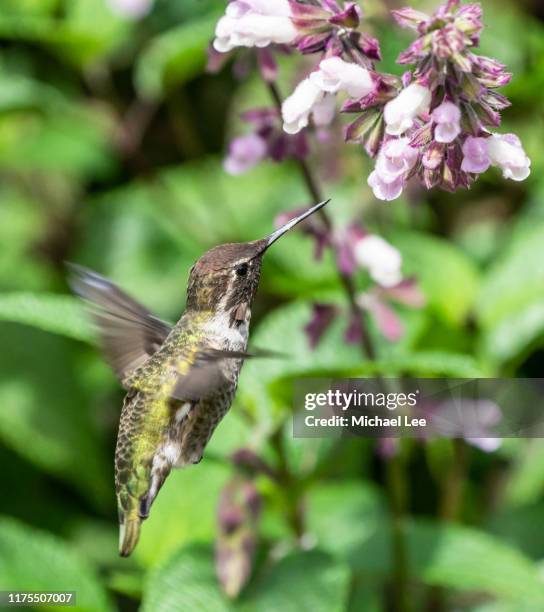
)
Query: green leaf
[
  {"x": 184, "y": 512},
  {"x": 87, "y": 31},
  {"x": 509, "y": 305},
  {"x": 457, "y": 557},
  {"x": 516, "y": 526},
  {"x": 342, "y": 516},
  {"x": 526, "y": 478},
  {"x": 19, "y": 92},
  {"x": 187, "y": 582},
  {"x": 174, "y": 57},
  {"x": 32, "y": 560},
  {"x": 59, "y": 314},
  {"x": 74, "y": 142},
  {"x": 285, "y": 586},
  {"x": 448, "y": 277}
]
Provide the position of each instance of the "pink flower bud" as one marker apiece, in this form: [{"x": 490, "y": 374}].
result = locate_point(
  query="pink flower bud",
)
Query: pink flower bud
[
  {"x": 395, "y": 160},
  {"x": 349, "y": 17},
  {"x": 245, "y": 152},
  {"x": 354, "y": 330},
  {"x": 322, "y": 317},
  {"x": 409, "y": 18},
  {"x": 476, "y": 155},
  {"x": 447, "y": 117},
  {"x": 385, "y": 191}
]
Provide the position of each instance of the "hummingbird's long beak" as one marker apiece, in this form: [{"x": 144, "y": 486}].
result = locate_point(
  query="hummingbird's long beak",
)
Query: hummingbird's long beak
[{"x": 290, "y": 224}]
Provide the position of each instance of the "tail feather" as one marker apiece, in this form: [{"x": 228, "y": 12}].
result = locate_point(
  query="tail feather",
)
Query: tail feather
[{"x": 129, "y": 532}]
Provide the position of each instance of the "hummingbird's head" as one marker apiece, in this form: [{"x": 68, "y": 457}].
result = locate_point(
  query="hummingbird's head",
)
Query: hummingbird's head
[{"x": 225, "y": 279}]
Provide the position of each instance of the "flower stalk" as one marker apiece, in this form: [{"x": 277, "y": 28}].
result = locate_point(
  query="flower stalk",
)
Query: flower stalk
[{"x": 316, "y": 194}]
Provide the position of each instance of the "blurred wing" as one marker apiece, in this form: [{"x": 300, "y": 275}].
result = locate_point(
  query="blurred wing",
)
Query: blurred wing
[
  {"x": 130, "y": 334},
  {"x": 206, "y": 375}
]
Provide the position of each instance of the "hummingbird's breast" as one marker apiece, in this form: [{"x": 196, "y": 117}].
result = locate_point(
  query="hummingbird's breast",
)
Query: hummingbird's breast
[{"x": 195, "y": 426}]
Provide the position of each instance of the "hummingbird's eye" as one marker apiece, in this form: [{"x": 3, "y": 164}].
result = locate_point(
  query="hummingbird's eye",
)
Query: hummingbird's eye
[{"x": 241, "y": 270}]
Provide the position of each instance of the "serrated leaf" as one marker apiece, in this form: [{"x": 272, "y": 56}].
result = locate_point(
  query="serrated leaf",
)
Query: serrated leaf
[
  {"x": 187, "y": 582},
  {"x": 59, "y": 314},
  {"x": 32, "y": 560},
  {"x": 285, "y": 586}
]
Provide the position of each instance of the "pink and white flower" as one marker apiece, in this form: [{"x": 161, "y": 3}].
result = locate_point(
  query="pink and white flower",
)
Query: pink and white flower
[
  {"x": 447, "y": 117},
  {"x": 395, "y": 161},
  {"x": 506, "y": 152},
  {"x": 335, "y": 74},
  {"x": 475, "y": 155},
  {"x": 399, "y": 113},
  {"x": 245, "y": 152},
  {"x": 307, "y": 99},
  {"x": 502, "y": 150},
  {"x": 316, "y": 95},
  {"x": 254, "y": 23},
  {"x": 382, "y": 260}
]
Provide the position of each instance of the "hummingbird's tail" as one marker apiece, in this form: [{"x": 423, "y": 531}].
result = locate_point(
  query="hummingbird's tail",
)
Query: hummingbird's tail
[{"x": 129, "y": 532}]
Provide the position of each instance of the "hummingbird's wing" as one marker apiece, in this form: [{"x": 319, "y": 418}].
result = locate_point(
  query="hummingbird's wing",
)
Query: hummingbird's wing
[
  {"x": 207, "y": 373},
  {"x": 129, "y": 332}
]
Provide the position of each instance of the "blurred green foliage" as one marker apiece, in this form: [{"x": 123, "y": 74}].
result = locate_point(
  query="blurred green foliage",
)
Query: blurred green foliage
[{"x": 111, "y": 136}]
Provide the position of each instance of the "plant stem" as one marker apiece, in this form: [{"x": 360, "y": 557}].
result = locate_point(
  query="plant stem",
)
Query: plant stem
[
  {"x": 395, "y": 467},
  {"x": 452, "y": 493},
  {"x": 450, "y": 506},
  {"x": 295, "y": 516},
  {"x": 396, "y": 486},
  {"x": 316, "y": 194}
]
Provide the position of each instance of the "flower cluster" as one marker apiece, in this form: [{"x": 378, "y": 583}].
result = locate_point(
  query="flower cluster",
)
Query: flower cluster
[
  {"x": 438, "y": 123},
  {"x": 327, "y": 28}
]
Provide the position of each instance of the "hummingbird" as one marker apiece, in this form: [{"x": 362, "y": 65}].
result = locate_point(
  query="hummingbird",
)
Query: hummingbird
[{"x": 180, "y": 380}]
